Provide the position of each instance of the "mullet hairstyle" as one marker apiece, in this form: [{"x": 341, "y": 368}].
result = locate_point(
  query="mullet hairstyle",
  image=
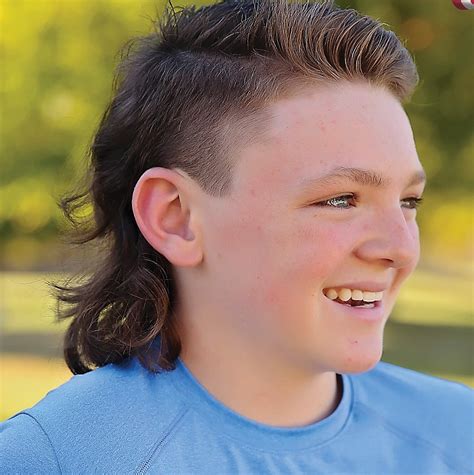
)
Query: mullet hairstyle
[{"x": 184, "y": 96}]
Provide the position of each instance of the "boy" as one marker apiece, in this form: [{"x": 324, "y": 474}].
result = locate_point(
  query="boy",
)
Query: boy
[{"x": 256, "y": 180}]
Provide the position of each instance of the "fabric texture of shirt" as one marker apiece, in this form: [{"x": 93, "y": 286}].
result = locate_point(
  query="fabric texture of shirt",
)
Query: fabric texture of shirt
[{"x": 123, "y": 419}]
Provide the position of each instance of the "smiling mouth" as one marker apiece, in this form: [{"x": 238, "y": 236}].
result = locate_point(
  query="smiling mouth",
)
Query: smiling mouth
[{"x": 354, "y": 298}]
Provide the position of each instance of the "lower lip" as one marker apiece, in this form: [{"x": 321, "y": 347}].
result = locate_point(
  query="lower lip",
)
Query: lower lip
[{"x": 375, "y": 314}]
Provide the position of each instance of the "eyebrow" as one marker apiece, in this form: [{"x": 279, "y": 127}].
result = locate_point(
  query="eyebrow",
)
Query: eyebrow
[{"x": 359, "y": 176}]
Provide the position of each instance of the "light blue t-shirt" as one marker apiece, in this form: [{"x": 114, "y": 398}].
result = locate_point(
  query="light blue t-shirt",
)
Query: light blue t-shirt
[{"x": 122, "y": 419}]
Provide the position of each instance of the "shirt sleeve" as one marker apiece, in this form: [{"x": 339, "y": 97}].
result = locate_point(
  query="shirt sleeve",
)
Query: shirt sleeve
[{"x": 25, "y": 447}]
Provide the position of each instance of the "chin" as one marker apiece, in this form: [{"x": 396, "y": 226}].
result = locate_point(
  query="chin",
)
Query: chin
[{"x": 360, "y": 361}]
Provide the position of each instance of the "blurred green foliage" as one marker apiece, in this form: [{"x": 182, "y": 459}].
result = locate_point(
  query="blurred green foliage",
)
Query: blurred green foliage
[{"x": 58, "y": 59}]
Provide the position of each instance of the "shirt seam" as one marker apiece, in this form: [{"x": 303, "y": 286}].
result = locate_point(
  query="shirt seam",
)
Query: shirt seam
[
  {"x": 162, "y": 441},
  {"x": 412, "y": 437},
  {"x": 47, "y": 437}
]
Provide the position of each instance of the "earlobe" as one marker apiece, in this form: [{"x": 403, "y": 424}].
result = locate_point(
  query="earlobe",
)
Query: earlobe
[{"x": 164, "y": 219}]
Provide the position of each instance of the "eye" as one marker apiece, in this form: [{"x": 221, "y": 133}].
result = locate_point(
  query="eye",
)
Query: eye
[
  {"x": 411, "y": 203},
  {"x": 342, "y": 202}
]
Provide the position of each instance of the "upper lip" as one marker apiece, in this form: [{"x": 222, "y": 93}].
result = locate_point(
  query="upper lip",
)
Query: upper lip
[{"x": 368, "y": 286}]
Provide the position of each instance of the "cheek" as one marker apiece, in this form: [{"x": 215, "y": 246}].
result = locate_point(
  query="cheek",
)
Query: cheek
[
  {"x": 232, "y": 229},
  {"x": 241, "y": 244},
  {"x": 415, "y": 235},
  {"x": 414, "y": 231},
  {"x": 320, "y": 248},
  {"x": 299, "y": 261}
]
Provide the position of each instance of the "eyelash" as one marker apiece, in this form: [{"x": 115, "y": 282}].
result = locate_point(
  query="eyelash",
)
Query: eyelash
[{"x": 414, "y": 202}]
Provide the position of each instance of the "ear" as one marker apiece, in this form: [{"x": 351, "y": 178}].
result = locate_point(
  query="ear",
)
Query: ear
[{"x": 163, "y": 216}]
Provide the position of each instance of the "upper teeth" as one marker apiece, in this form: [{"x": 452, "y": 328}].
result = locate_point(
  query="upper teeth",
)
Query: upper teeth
[{"x": 355, "y": 294}]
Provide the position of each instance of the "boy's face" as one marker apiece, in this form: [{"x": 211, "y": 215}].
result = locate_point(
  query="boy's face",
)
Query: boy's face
[{"x": 276, "y": 245}]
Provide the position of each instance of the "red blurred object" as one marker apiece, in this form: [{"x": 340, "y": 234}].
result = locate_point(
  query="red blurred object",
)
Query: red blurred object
[{"x": 464, "y": 4}]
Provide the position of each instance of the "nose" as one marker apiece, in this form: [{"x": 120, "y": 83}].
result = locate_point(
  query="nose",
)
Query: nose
[{"x": 391, "y": 239}]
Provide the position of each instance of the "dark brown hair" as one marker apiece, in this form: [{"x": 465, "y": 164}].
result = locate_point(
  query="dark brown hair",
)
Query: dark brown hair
[{"x": 184, "y": 96}]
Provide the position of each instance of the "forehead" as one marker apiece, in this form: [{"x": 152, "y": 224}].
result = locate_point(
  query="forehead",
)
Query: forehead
[{"x": 345, "y": 124}]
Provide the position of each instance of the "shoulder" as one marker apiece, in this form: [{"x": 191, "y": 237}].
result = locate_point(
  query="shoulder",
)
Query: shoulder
[
  {"x": 404, "y": 388},
  {"x": 418, "y": 407},
  {"x": 104, "y": 393},
  {"x": 101, "y": 417},
  {"x": 23, "y": 444}
]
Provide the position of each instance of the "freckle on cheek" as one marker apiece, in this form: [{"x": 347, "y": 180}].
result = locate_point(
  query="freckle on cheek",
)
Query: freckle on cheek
[{"x": 272, "y": 296}]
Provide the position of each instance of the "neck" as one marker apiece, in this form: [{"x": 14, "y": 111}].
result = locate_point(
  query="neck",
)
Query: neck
[{"x": 262, "y": 388}]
